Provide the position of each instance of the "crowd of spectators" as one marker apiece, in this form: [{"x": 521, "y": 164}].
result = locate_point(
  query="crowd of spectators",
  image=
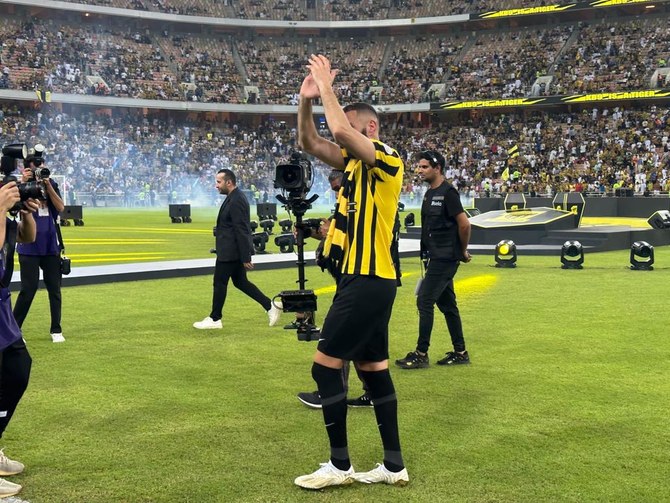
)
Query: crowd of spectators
[
  {"x": 118, "y": 60},
  {"x": 611, "y": 56},
  {"x": 506, "y": 64},
  {"x": 128, "y": 156},
  {"x": 321, "y": 10}
]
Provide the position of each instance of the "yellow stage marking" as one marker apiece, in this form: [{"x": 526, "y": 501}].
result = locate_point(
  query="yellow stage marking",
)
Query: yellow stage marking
[
  {"x": 116, "y": 259},
  {"x": 158, "y": 230},
  {"x": 466, "y": 286},
  {"x": 118, "y": 241},
  {"x": 631, "y": 222},
  {"x": 129, "y": 254}
]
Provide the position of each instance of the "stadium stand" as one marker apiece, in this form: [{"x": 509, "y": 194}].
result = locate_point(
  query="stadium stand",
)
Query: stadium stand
[{"x": 120, "y": 155}]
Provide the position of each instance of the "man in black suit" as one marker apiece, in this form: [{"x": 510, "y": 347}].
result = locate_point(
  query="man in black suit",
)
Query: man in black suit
[{"x": 234, "y": 248}]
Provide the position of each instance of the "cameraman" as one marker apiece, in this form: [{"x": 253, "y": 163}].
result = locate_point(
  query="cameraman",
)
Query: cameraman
[
  {"x": 15, "y": 360},
  {"x": 43, "y": 253}
]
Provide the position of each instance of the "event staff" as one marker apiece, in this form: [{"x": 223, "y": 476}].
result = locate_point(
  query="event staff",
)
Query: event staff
[
  {"x": 234, "y": 248},
  {"x": 445, "y": 234},
  {"x": 15, "y": 361},
  {"x": 43, "y": 253},
  {"x": 359, "y": 241}
]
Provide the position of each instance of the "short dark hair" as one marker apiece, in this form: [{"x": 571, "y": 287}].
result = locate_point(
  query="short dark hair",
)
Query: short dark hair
[
  {"x": 362, "y": 107},
  {"x": 29, "y": 160},
  {"x": 434, "y": 158},
  {"x": 228, "y": 175},
  {"x": 335, "y": 174}
]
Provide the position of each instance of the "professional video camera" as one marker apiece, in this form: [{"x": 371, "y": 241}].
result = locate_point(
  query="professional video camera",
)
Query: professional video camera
[
  {"x": 295, "y": 176},
  {"x": 28, "y": 190},
  {"x": 295, "y": 179}
]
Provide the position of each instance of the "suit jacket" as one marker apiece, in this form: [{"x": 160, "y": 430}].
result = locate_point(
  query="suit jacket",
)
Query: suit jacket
[{"x": 233, "y": 230}]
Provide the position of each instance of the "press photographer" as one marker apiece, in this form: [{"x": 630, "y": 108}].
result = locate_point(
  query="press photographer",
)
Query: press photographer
[
  {"x": 45, "y": 252},
  {"x": 15, "y": 361}
]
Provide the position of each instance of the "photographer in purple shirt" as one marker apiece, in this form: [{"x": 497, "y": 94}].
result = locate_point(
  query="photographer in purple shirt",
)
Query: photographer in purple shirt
[{"x": 44, "y": 252}]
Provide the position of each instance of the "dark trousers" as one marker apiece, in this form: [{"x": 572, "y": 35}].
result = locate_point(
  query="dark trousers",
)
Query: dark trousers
[
  {"x": 15, "y": 363},
  {"x": 345, "y": 376},
  {"x": 30, "y": 275},
  {"x": 225, "y": 271},
  {"x": 437, "y": 288}
]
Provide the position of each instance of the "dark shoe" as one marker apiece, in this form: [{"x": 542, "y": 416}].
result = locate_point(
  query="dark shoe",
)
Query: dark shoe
[
  {"x": 453, "y": 358},
  {"x": 294, "y": 325},
  {"x": 409, "y": 357},
  {"x": 362, "y": 401},
  {"x": 413, "y": 361},
  {"x": 312, "y": 400}
]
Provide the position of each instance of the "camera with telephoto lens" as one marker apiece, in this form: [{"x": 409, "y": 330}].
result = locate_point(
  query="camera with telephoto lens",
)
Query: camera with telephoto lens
[
  {"x": 27, "y": 190},
  {"x": 36, "y": 158}
]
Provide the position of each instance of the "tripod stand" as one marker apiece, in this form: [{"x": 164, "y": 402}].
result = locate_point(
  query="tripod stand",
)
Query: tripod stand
[{"x": 301, "y": 300}]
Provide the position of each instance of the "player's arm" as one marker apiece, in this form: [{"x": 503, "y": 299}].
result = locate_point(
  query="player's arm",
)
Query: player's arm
[{"x": 308, "y": 137}]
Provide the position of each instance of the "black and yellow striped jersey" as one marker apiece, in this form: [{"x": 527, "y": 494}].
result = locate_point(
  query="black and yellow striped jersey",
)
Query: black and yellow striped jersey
[{"x": 360, "y": 235}]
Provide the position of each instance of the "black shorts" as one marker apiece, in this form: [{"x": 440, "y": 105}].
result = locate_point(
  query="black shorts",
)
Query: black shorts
[{"x": 356, "y": 326}]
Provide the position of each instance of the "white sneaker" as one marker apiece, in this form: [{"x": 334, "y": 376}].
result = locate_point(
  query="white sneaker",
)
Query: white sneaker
[
  {"x": 9, "y": 466},
  {"x": 57, "y": 337},
  {"x": 208, "y": 323},
  {"x": 274, "y": 312},
  {"x": 8, "y": 488},
  {"x": 381, "y": 474},
  {"x": 326, "y": 476}
]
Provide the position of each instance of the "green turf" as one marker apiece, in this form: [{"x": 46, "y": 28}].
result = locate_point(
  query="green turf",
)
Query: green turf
[
  {"x": 566, "y": 398},
  {"x": 121, "y": 235}
]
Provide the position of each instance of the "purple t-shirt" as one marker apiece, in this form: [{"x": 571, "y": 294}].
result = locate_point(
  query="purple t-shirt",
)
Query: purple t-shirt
[{"x": 46, "y": 239}]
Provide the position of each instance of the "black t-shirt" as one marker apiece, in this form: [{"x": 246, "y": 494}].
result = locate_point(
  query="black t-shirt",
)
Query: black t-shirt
[{"x": 439, "y": 230}]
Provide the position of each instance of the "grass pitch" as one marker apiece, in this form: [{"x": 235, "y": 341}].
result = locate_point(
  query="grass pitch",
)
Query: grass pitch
[{"x": 566, "y": 398}]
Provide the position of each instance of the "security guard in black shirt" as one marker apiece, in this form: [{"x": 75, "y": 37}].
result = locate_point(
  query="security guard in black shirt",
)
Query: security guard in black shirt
[{"x": 445, "y": 234}]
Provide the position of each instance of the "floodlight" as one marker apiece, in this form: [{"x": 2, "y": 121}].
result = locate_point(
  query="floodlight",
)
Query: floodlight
[
  {"x": 641, "y": 256},
  {"x": 259, "y": 239},
  {"x": 285, "y": 242},
  {"x": 286, "y": 225},
  {"x": 409, "y": 220},
  {"x": 267, "y": 225},
  {"x": 505, "y": 254},
  {"x": 572, "y": 255}
]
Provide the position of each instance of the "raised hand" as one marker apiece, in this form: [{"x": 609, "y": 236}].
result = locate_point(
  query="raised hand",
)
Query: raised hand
[
  {"x": 321, "y": 72},
  {"x": 309, "y": 89}
]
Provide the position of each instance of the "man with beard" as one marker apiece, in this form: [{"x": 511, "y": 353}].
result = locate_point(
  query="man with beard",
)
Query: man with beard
[
  {"x": 234, "y": 248},
  {"x": 445, "y": 234}
]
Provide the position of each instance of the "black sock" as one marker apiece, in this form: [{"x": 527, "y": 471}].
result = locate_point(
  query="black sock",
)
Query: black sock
[
  {"x": 334, "y": 407},
  {"x": 385, "y": 403}
]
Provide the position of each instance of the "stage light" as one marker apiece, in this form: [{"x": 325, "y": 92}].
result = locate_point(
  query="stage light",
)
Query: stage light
[
  {"x": 505, "y": 255},
  {"x": 259, "y": 239},
  {"x": 285, "y": 242},
  {"x": 641, "y": 256},
  {"x": 409, "y": 220},
  {"x": 286, "y": 225},
  {"x": 267, "y": 225},
  {"x": 254, "y": 225},
  {"x": 266, "y": 211},
  {"x": 572, "y": 255}
]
